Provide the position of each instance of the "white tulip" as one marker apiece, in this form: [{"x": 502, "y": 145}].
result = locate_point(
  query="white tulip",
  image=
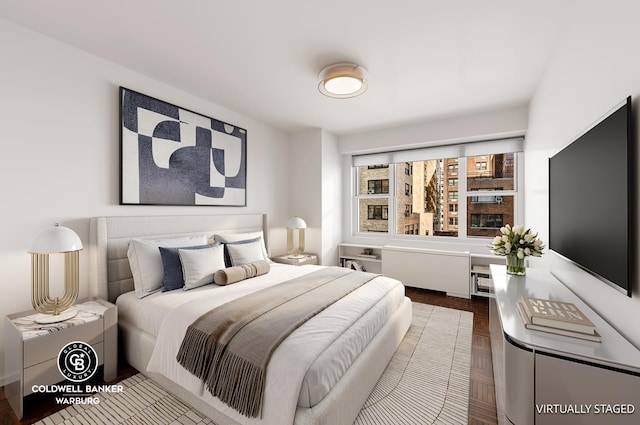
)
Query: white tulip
[
  {"x": 505, "y": 238},
  {"x": 527, "y": 251},
  {"x": 520, "y": 253},
  {"x": 518, "y": 229}
]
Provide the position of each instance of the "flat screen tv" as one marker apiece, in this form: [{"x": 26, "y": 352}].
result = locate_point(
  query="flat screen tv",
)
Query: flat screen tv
[{"x": 590, "y": 199}]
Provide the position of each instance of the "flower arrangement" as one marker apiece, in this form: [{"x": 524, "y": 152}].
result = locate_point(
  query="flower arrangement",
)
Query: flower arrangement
[{"x": 515, "y": 243}]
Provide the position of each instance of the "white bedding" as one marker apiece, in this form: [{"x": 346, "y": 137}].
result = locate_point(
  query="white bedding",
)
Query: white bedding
[
  {"x": 149, "y": 312},
  {"x": 320, "y": 350}
]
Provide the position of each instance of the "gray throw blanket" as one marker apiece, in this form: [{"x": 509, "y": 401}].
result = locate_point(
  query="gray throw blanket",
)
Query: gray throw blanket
[{"x": 230, "y": 346}]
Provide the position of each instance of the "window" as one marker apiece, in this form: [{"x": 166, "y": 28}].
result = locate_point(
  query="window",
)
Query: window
[
  {"x": 408, "y": 209},
  {"x": 464, "y": 196},
  {"x": 412, "y": 229},
  {"x": 373, "y": 198},
  {"x": 488, "y": 213},
  {"x": 486, "y": 199},
  {"x": 378, "y": 186},
  {"x": 408, "y": 168},
  {"x": 491, "y": 221},
  {"x": 497, "y": 175},
  {"x": 378, "y": 212}
]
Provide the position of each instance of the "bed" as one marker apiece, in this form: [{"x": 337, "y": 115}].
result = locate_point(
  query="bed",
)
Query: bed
[{"x": 330, "y": 381}]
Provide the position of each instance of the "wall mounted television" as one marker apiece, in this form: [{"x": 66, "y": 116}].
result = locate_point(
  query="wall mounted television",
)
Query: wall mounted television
[{"x": 591, "y": 199}]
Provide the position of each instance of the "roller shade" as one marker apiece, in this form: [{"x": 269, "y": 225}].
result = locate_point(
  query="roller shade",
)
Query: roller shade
[{"x": 486, "y": 147}]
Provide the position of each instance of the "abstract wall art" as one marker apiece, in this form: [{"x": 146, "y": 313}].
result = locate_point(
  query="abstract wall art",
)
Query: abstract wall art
[{"x": 172, "y": 156}]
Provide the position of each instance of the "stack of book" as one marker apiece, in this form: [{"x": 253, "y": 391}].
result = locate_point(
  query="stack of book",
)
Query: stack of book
[
  {"x": 354, "y": 264},
  {"x": 557, "y": 317}
]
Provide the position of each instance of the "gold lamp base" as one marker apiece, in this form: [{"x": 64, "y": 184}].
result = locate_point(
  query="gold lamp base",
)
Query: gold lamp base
[
  {"x": 54, "y": 309},
  {"x": 296, "y": 252},
  {"x": 55, "y": 239}
]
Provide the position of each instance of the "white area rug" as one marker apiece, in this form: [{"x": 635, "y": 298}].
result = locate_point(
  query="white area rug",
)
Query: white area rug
[{"x": 426, "y": 382}]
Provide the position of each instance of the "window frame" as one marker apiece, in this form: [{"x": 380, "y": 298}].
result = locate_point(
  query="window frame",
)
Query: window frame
[{"x": 463, "y": 195}]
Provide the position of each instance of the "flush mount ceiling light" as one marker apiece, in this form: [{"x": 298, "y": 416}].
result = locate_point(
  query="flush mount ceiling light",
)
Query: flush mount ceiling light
[{"x": 343, "y": 80}]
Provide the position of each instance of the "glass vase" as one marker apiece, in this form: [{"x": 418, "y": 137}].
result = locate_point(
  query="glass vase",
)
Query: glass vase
[{"x": 515, "y": 265}]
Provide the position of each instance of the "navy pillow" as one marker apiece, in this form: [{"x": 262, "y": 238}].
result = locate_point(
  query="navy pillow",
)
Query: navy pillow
[
  {"x": 172, "y": 266},
  {"x": 227, "y": 257}
]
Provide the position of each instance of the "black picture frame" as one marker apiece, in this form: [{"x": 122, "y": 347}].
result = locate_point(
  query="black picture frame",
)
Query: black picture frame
[{"x": 173, "y": 156}]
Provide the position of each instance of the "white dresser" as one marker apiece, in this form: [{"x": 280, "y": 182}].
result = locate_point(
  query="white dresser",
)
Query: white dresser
[{"x": 542, "y": 378}]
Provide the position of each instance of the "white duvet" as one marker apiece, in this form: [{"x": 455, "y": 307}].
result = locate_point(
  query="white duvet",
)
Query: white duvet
[{"x": 306, "y": 365}]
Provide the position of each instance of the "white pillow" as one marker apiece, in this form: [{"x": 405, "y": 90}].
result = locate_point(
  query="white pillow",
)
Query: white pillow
[
  {"x": 236, "y": 237},
  {"x": 199, "y": 265},
  {"x": 146, "y": 262},
  {"x": 245, "y": 253}
]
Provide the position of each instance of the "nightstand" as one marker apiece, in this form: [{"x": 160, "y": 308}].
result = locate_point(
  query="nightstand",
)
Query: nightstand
[
  {"x": 306, "y": 259},
  {"x": 31, "y": 349}
]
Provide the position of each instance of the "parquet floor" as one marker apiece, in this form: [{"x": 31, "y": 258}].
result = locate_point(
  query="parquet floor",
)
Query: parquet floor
[
  {"x": 482, "y": 403},
  {"x": 482, "y": 399}
]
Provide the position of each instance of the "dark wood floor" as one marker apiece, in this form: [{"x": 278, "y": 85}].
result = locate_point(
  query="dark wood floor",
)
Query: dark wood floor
[
  {"x": 482, "y": 399},
  {"x": 482, "y": 403}
]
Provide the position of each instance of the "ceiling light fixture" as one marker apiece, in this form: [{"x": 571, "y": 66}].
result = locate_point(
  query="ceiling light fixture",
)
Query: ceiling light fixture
[{"x": 343, "y": 80}]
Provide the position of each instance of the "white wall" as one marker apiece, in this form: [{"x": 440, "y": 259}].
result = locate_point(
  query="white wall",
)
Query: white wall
[
  {"x": 331, "y": 199},
  {"x": 306, "y": 185},
  {"x": 595, "y": 66},
  {"x": 60, "y": 142},
  {"x": 315, "y": 191}
]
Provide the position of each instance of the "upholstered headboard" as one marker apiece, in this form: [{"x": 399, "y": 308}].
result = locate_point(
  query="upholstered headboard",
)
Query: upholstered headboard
[{"x": 110, "y": 236}]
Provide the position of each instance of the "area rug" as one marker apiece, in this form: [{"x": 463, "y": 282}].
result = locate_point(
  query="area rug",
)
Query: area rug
[{"x": 426, "y": 382}]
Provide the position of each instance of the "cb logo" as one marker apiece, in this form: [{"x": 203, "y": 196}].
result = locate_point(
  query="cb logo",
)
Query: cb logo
[{"x": 77, "y": 361}]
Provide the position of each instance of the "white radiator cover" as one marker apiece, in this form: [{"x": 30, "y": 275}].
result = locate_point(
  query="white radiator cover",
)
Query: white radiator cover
[{"x": 439, "y": 270}]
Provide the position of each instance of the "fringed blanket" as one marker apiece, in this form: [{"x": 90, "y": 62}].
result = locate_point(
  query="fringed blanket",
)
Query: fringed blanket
[{"x": 230, "y": 346}]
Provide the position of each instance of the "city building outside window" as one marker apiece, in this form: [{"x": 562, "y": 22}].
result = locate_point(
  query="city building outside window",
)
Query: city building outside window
[{"x": 469, "y": 196}]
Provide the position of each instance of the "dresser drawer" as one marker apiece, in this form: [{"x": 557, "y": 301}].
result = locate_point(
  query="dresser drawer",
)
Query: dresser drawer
[
  {"x": 41, "y": 349},
  {"x": 47, "y": 373}
]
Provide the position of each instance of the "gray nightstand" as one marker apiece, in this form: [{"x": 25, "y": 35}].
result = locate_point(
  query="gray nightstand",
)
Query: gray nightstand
[
  {"x": 31, "y": 349},
  {"x": 307, "y": 259}
]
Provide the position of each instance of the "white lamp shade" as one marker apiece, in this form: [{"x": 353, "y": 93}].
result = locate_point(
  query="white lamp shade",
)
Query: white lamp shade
[
  {"x": 55, "y": 239},
  {"x": 296, "y": 223}
]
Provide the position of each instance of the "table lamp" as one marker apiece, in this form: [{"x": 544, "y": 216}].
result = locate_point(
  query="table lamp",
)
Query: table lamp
[
  {"x": 52, "y": 240},
  {"x": 295, "y": 223}
]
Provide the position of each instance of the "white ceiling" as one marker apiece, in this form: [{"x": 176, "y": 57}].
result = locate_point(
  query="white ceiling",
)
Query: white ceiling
[{"x": 426, "y": 59}]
